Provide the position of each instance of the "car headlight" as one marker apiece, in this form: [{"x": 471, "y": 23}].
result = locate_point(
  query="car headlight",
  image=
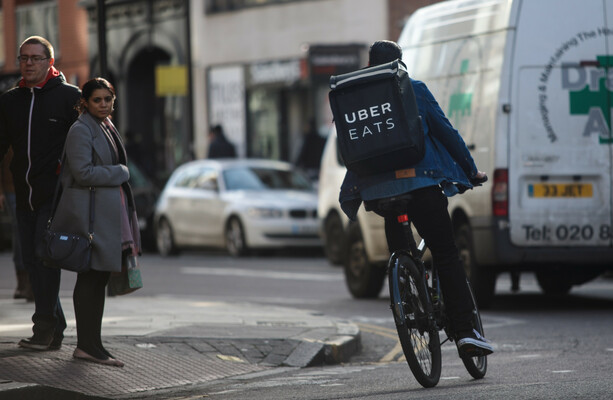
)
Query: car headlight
[{"x": 257, "y": 212}]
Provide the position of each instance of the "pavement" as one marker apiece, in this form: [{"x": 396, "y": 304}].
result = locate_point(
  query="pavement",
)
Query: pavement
[{"x": 172, "y": 348}]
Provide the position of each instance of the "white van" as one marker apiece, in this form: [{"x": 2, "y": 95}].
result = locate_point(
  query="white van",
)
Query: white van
[{"x": 529, "y": 84}]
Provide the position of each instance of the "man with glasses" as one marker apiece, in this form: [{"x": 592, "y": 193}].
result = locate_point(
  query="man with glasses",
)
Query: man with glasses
[{"x": 34, "y": 119}]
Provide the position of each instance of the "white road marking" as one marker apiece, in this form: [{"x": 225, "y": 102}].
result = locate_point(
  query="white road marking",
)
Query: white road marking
[{"x": 254, "y": 273}]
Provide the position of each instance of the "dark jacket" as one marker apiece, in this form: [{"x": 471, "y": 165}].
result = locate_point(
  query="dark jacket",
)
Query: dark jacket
[
  {"x": 35, "y": 121},
  {"x": 447, "y": 162},
  {"x": 220, "y": 147}
]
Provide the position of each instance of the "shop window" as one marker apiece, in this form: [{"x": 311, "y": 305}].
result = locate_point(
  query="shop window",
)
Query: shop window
[
  {"x": 38, "y": 18},
  {"x": 264, "y": 139}
]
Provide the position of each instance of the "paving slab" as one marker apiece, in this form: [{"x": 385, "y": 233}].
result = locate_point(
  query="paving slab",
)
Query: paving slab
[{"x": 169, "y": 345}]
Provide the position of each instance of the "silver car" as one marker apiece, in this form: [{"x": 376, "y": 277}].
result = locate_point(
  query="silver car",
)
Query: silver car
[{"x": 239, "y": 204}]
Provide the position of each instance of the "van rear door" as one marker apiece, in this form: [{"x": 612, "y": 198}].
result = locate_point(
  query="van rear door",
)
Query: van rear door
[{"x": 560, "y": 156}]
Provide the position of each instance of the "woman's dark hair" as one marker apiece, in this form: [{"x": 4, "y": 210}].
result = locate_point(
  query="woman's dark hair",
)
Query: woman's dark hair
[
  {"x": 88, "y": 90},
  {"x": 384, "y": 51}
]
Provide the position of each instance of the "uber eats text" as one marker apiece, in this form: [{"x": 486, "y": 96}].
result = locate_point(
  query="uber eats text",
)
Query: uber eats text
[{"x": 373, "y": 123}]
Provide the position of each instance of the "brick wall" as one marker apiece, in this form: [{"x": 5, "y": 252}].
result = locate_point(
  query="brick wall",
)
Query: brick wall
[
  {"x": 74, "y": 42},
  {"x": 8, "y": 12}
]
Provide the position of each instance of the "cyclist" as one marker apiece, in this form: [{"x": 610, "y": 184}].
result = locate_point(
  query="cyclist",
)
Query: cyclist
[{"x": 446, "y": 169}]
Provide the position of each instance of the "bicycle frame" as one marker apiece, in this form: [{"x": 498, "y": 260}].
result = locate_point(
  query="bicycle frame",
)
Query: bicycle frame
[{"x": 434, "y": 305}]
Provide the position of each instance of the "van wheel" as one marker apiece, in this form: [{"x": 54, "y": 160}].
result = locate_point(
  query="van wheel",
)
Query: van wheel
[
  {"x": 482, "y": 279},
  {"x": 333, "y": 230},
  {"x": 364, "y": 280},
  {"x": 552, "y": 283}
]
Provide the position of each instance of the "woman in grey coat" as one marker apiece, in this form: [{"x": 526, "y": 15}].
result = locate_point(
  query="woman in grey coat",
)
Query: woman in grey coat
[{"x": 96, "y": 158}]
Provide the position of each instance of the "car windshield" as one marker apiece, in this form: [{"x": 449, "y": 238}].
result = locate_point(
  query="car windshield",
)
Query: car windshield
[{"x": 260, "y": 178}]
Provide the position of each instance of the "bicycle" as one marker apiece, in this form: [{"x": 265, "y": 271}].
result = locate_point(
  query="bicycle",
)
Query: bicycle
[{"x": 418, "y": 306}]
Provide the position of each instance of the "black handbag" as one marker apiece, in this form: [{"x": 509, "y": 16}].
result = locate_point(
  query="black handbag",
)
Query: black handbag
[{"x": 69, "y": 251}]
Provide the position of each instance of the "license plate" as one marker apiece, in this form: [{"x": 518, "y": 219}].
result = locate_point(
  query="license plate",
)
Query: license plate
[
  {"x": 566, "y": 190},
  {"x": 297, "y": 229}
]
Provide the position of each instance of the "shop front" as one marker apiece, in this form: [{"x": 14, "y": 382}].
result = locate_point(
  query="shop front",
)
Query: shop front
[
  {"x": 261, "y": 106},
  {"x": 267, "y": 108}
]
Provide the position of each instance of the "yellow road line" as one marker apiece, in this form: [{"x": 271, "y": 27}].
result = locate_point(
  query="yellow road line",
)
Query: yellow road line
[
  {"x": 396, "y": 353},
  {"x": 387, "y": 333},
  {"x": 377, "y": 329},
  {"x": 389, "y": 357}
]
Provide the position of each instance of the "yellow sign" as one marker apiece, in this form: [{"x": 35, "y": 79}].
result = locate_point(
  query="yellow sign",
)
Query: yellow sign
[
  {"x": 170, "y": 80},
  {"x": 560, "y": 190}
]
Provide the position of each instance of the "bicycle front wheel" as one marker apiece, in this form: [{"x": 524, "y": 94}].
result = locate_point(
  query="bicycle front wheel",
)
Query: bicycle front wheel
[
  {"x": 418, "y": 336},
  {"x": 476, "y": 366}
]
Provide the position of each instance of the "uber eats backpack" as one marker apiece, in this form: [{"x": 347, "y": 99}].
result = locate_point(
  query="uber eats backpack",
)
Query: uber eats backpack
[{"x": 378, "y": 125}]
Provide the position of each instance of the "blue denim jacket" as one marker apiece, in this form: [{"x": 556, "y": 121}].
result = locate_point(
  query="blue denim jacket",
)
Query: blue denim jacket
[{"x": 447, "y": 162}]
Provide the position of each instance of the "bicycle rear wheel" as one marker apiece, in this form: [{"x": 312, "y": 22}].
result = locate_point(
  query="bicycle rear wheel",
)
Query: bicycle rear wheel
[
  {"x": 418, "y": 336},
  {"x": 476, "y": 366}
]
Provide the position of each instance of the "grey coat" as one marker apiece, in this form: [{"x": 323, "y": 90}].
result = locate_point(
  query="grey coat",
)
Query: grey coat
[{"x": 89, "y": 163}]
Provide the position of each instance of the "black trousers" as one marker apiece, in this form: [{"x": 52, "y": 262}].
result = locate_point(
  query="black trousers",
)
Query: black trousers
[
  {"x": 88, "y": 298},
  {"x": 48, "y": 318},
  {"x": 427, "y": 210}
]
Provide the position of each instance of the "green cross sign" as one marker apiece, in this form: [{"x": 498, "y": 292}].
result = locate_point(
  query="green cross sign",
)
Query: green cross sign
[
  {"x": 595, "y": 104},
  {"x": 460, "y": 103}
]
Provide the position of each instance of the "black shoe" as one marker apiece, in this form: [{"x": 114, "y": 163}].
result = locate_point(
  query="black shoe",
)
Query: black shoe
[
  {"x": 55, "y": 344},
  {"x": 36, "y": 342},
  {"x": 472, "y": 344}
]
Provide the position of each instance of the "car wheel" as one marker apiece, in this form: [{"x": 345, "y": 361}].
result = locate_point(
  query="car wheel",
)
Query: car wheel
[
  {"x": 164, "y": 239},
  {"x": 333, "y": 245},
  {"x": 364, "y": 280},
  {"x": 235, "y": 238},
  {"x": 482, "y": 279},
  {"x": 553, "y": 283}
]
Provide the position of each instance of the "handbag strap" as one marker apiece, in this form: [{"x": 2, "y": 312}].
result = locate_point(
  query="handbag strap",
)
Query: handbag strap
[
  {"x": 92, "y": 192},
  {"x": 56, "y": 191}
]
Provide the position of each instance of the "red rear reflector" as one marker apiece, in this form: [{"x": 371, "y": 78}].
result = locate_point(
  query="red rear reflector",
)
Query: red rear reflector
[
  {"x": 500, "y": 193},
  {"x": 403, "y": 218}
]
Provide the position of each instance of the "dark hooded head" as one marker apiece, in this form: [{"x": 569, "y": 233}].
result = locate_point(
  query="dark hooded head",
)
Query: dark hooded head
[{"x": 383, "y": 51}]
